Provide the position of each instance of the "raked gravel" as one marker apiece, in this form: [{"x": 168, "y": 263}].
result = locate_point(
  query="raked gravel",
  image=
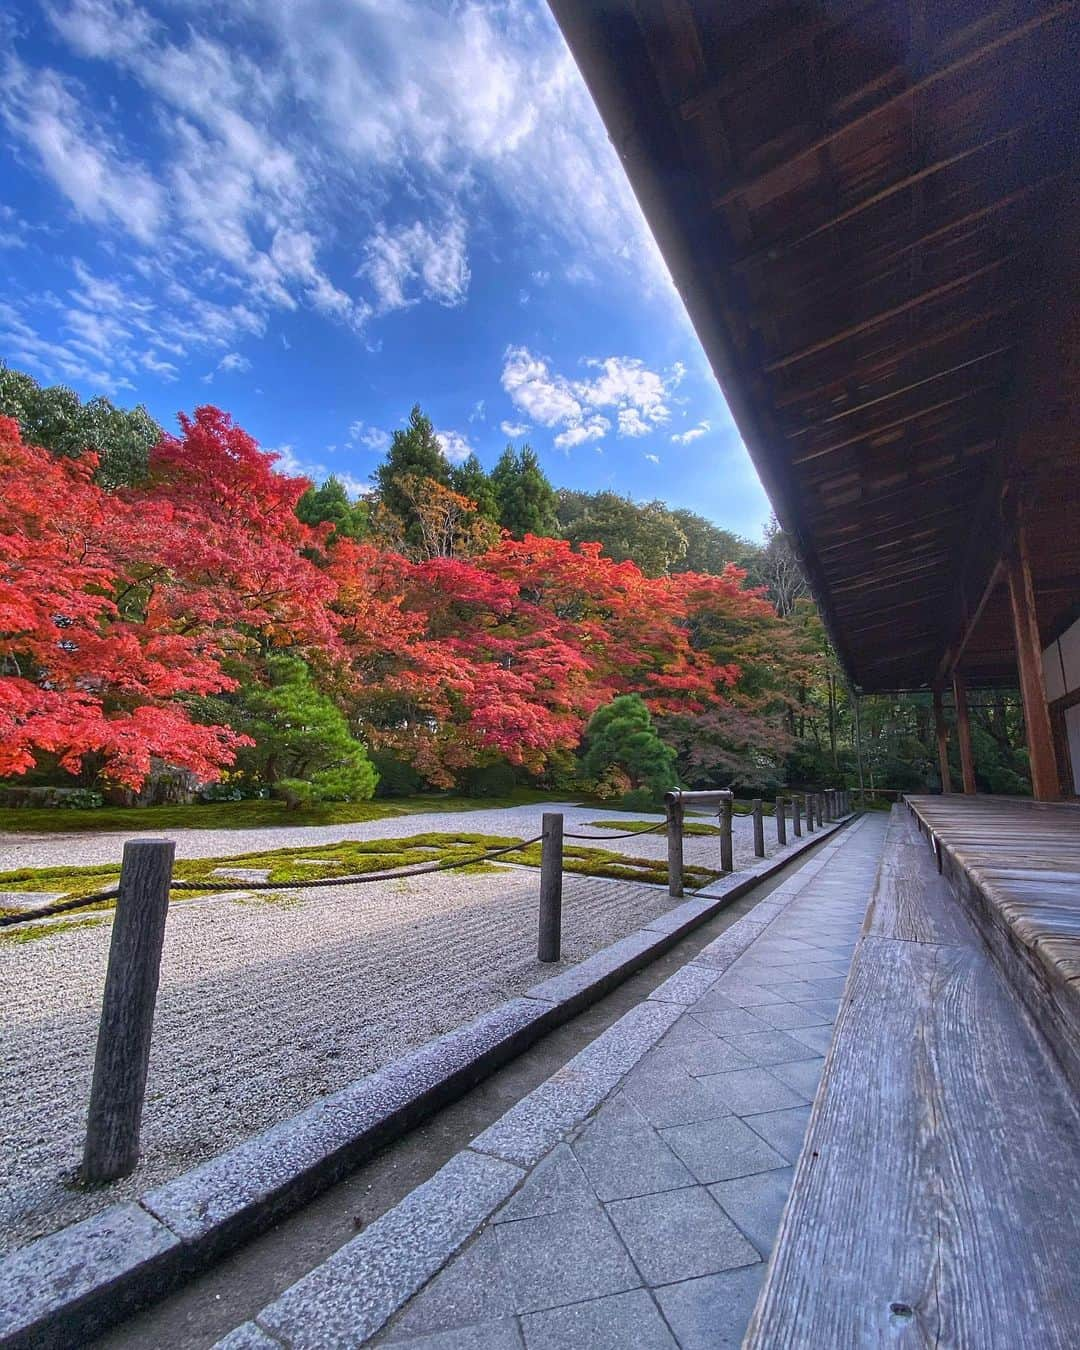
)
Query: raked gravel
[
  {"x": 267, "y": 1004},
  {"x": 77, "y": 850}
]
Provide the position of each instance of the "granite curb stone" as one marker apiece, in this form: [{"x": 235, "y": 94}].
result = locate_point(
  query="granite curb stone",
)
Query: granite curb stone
[
  {"x": 353, "y": 1293},
  {"x": 51, "y": 1292},
  {"x": 245, "y": 1189}
]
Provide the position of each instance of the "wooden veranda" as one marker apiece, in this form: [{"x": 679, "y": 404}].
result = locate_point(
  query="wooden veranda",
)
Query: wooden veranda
[{"x": 870, "y": 210}]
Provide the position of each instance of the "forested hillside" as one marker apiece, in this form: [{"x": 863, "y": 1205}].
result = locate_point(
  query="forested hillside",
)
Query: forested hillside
[{"x": 175, "y": 613}]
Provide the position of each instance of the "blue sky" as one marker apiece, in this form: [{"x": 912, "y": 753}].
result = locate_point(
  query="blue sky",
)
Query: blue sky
[{"x": 315, "y": 213}]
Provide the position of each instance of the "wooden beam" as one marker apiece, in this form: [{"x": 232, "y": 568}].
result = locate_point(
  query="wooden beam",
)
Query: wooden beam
[
  {"x": 774, "y": 252},
  {"x": 942, "y": 733},
  {"x": 853, "y": 330},
  {"x": 737, "y": 188},
  {"x": 963, "y": 733},
  {"x": 1045, "y": 784}
]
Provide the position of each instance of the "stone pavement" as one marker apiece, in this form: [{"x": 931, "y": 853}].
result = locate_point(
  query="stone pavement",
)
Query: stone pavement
[{"x": 650, "y": 1225}]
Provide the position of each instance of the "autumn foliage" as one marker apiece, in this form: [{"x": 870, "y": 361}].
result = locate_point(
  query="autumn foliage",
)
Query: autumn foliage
[{"x": 125, "y": 615}]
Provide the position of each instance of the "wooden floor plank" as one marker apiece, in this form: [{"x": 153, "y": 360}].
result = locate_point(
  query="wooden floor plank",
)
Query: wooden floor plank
[{"x": 937, "y": 1198}]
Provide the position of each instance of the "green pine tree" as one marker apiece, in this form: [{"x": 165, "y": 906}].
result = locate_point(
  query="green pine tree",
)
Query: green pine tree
[
  {"x": 413, "y": 452},
  {"x": 470, "y": 479},
  {"x": 526, "y": 500},
  {"x": 621, "y": 735},
  {"x": 331, "y": 502},
  {"x": 303, "y": 748}
]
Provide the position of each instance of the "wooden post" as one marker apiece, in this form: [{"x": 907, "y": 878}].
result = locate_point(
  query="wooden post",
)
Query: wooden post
[
  {"x": 942, "y": 733},
  {"x": 808, "y": 798},
  {"x": 857, "y": 699},
  {"x": 781, "y": 821},
  {"x": 127, "y": 1011},
  {"x": 727, "y": 860},
  {"x": 759, "y": 828},
  {"x": 963, "y": 733},
  {"x": 675, "y": 848},
  {"x": 549, "y": 944},
  {"x": 796, "y": 821},
  {"x": 1045, "y": 784}
]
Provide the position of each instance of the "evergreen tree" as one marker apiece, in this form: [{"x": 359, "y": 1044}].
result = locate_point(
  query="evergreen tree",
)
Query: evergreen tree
[
  {"x": 621, "y": 735},
  {"x": 413, "y": 453},
  {"x": 469, "y": 479},
  {"x": 526, "y": 500},
  {"x": 303, "y": 746},
  {"x": 331, "y": 502},
  {"x": 58, "y": 420}
]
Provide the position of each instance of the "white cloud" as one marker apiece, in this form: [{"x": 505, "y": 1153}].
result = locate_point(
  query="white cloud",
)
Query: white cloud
[
  {"x": 414, "y": 262},
  {"x": 454, "y": 446},
  {"x": 478, "y": 413},
  {"x": 542, "y": 396},
  {"x": 513, "y": 429},
  {"x": 371, "y": 438},
  {"x": 623, "y": 385},
  {"x": 631, "y": 423},
  {"x": 41, "y": 111},
  {"x": 592, "y": 429},
  {"x": 691, "y": 433},
  {"x": 234, "y": 364},
  {"x": 288, "y": 134},
  {"x": 653, "y": 459}
]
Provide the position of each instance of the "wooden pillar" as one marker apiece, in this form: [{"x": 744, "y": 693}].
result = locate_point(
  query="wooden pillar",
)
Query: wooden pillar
[
  {"x": 549, "y": 941},
  {"x": 963, "y": 733},
  {"x": 942, "y": 740},
  {"x": 1045, "y": 785}
]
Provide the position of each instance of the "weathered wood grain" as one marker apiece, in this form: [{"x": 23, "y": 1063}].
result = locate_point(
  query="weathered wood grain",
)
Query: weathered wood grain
[
  {"x": 911, "y": 901},
  {"x": 1015, "y": 868},
  {"x": 937, "y": 1198}
]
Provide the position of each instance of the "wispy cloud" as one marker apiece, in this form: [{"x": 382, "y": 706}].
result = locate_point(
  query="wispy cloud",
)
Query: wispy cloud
[
  {"x": 371, "y": 438},
  {"x": 232, "y": 363},
  {"x": 417, "y": 262},
  {"x": 691, "y": 433},
  {"x": 513, "y": 429}
]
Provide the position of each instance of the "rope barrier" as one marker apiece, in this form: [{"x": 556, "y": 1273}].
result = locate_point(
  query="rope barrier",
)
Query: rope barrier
[
  {"x": 630, "y": 834},
  {"x": 214, "y": 887}
]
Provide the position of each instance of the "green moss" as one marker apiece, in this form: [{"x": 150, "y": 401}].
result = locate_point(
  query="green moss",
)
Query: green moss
[
  {"x": 33, "y": 932},
  {"x": 356, "y": 857}
]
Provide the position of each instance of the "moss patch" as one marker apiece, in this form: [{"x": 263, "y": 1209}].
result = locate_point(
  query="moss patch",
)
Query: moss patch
[
  {"x": 350, "y": 858},
  {"x": 33, "y": 932}
]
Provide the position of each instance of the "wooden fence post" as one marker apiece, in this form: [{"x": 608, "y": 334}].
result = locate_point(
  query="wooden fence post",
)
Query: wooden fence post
[
  {"x": 796, "y": 819},
  {"x": 549, "y": 945},
  {"x": 759, "y": 828},
  {"x": 727, "y": 857},
  {"x": 808, "y": 799},
  {"x": 127, "y": 1011},
  {"x": 781, "y": 820},
  {"x": 674, "y": 811}
]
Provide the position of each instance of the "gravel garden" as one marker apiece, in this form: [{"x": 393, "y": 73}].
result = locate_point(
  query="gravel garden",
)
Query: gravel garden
[{"x": 270, "y": 999}]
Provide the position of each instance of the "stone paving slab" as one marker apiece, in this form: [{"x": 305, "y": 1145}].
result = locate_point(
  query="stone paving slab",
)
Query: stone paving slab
[{"x": 619, "y": 1234}]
